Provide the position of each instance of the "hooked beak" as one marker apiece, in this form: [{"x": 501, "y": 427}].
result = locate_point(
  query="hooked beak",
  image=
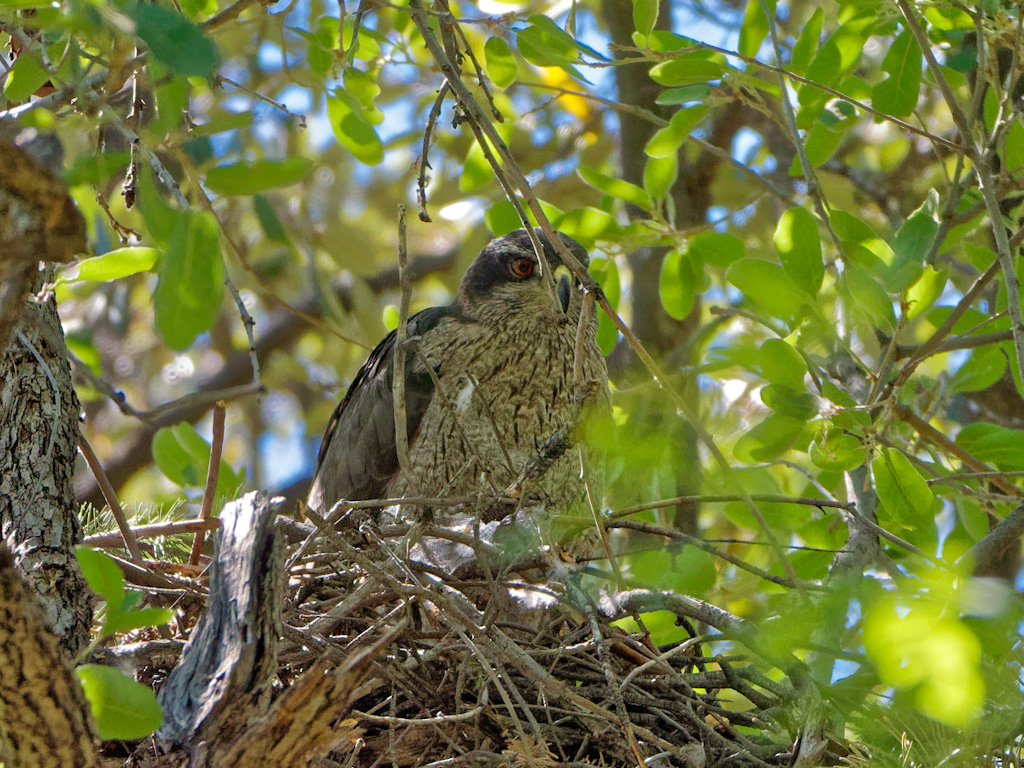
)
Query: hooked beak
[{"x": 564, "y": 286}]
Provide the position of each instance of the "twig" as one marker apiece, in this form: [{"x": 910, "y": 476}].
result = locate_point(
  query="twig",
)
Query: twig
[
  {"x": 932, "y": 435},
  {"x": 586, "y": 315},
  {"x": 421, "y": 181},
  {"x": 230, "y": 13},
  {"x": 151, "y": 531},
  {"x": 248, "y": 323},
  {"x": 130, "y": 542},
  {"x": 220, "y": 79},
  {"x": 401, "y": 353},
  {"x": 686, "y": 538},
  {"x": 212, "y": 475},
  {"x": 713, "y": 498}
]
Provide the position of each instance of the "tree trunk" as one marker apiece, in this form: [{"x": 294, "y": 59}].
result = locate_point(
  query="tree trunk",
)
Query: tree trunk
[{"x": 39, "y": 409}]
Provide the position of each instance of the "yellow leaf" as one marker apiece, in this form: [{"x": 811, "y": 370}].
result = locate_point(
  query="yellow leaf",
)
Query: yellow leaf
[{"x": 574, "y": 105}]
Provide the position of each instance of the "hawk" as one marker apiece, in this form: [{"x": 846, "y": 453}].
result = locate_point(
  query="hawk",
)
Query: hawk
[{"x": 489, "y": 380}]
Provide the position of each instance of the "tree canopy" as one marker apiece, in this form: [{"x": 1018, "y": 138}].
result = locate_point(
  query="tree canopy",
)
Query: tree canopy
[{"x": 805, "y": 238}]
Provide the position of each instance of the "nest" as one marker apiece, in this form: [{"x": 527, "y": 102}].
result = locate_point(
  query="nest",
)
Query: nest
[{"x": 488, "y": 663}]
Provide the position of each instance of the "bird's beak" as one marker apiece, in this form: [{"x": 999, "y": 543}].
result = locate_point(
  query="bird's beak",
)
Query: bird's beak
[{"x": 564, "y": 285}]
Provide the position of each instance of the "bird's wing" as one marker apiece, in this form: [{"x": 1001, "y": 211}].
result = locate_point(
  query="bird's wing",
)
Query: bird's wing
[{"x": 358, "y": 457}]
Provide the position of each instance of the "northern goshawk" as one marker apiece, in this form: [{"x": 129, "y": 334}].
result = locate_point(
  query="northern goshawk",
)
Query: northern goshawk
[{"x": 502, "y": 357}]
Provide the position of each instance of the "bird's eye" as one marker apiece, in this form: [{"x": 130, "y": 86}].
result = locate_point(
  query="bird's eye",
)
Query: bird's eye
[{"x": 522, "y": 267}]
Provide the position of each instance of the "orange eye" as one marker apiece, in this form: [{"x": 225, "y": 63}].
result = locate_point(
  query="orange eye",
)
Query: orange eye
[{"x": 522, "y": 267}]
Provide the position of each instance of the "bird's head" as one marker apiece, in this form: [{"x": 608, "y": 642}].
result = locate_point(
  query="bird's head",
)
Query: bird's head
[{"x": 507, "y": 271}]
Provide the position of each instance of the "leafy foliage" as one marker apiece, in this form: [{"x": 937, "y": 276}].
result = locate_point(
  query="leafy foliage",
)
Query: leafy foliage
[{"x": 822, "y": 261}]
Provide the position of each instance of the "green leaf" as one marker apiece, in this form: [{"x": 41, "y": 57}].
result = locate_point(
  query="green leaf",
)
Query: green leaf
[
  {"x": 176, "y": 463},
  {"x": 837, "y": 450},
  {"x": 143, "y": 617},
  {"x": 500, "y": 63},
  {"x": 821, "y": 143},
  {"x": 795, "y": 402},
  {"x": 923, "y": 294},
  {"x": 911, "y": 244},
  {"x": 102, "y": 575},
  {"x": 807, "y": 44},
  {"x": 668, "y": 140},
  {"x": 755, "y": 27},
  {"x": 175, "y": 41},
  {"x": 674, "y": 96},
  {"x": 354, "y": 132},
  {"x": 866, "y": 298},
  {"x": 25, "y": 77},
  {"x": 645, "y": 15},
  {"x": 675, "y": 285},
  {"x": 902, "y": 492},
  {"x": 799, "y": 249},
  {"x": 259, "y": 176},
  {"x": 769, "y": 439},
  {"x": 768, "y": 285},
  {"x": 390, "y": 316},
  {"x": 191, "y": 280},
  {"x": 1013, "y": 148},
  {"x": 687, "y": 69},
  {"x": 660, "y": 174},
  {"x": 606, "y": 273},
  {"x": 545, "y": 44},
  {"x": 502, "y": 218},
  {"x": 122, "y": 708},
  {"x": 993, "y": 444},
  {"x": 113, "y": 265},
  {"x": 897, "y": 94},
  {"x": 781, "y": 363},
  {"x": 586, "y": 225},
  {"x": 269, "y": 220},
  {"x": 719, "y": 249},
  {"x": 184, "y": 458},
  {"x": 914, "y": 644},
  {"x": 983, "y": 368},
  {"x": 616, "y": 188},
  {"x": 161, "y": 219}
]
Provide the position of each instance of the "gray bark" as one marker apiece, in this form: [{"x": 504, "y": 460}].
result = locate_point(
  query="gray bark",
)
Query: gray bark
[{"x": 39, "y": 411}]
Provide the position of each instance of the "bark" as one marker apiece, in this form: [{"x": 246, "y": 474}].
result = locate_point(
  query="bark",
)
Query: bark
[
  {"x": 39, "y": 413},
  {"x": 43, "y": 713}
]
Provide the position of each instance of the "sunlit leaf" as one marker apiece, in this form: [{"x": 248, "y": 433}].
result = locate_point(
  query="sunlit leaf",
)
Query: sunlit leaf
[
  {"x": 755, "y": 26},
  {"x": 687, "y": 69},
  {"x": 354, "y": 132},
  {"x": 645, "y": 15},
  {"x": 103, "y": 575},
  {"x": 807, "y": 44},
  {"x": 993, "y": 444},
  {"x": 191, "y": 280},
  {"x": 675, "y": 285},
  {"x": 897, "y": 94},
  {"x": 837, "y": 450},
  {"x": 719, "y": 249},
  {"x": 902, "y": 492},
  {"x": 121, "y": 707},
  {"x": 113, "y": 265},
  {"x": 799, "y": 249},
  {"x": 667, "y": 140},
  {"x": 768, "y": 285},
  {"x": 616, "y": 188},
  {"x": 500, "y": 62},
  {"x": 781, "y": 364},
  {"x": 24, "y": 78}
]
